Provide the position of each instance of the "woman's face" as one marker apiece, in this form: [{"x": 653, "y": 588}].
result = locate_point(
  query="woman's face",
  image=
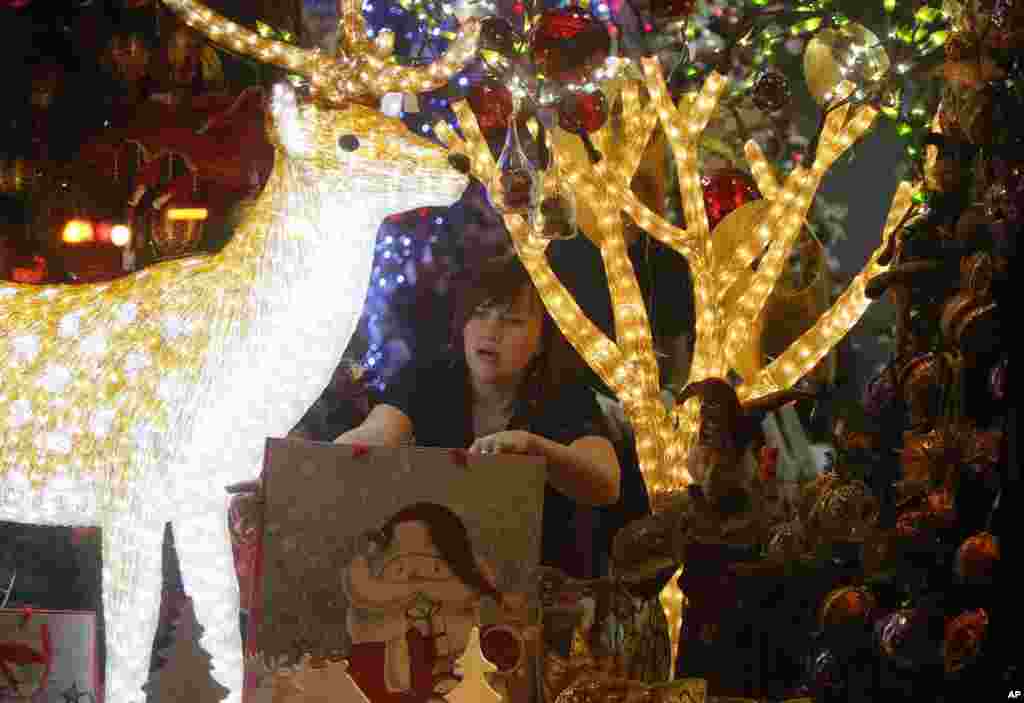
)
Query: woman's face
[{"x": 500, "y": 340}]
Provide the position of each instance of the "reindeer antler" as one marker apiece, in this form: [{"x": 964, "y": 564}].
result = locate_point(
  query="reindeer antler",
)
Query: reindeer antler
[{"x": 358, "y": 73}]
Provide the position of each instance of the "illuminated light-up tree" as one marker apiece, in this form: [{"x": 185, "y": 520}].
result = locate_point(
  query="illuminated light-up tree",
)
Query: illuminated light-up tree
[{"x": 729, "y": 292}]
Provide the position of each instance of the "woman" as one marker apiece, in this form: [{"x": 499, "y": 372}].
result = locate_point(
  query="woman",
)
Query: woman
[{"x": 507, "y": 390}]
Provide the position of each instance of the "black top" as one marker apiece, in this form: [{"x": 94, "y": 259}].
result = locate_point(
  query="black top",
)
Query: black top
[
  {"x": 663, "y": 276},
  {"x": 436, "y": 398}
]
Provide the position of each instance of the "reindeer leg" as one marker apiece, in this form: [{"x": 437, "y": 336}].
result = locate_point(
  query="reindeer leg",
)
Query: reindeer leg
[
  {"x": 208, "y": 572},
  {"x": 131, "y": 601}
]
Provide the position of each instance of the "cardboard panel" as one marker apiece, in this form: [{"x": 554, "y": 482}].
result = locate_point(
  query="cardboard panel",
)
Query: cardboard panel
[{"x": 387, "y": 557}]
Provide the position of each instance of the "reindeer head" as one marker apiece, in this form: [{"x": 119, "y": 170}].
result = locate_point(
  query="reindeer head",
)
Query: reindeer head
[
  {"x": 339, "y": 115},
  {"x": 351, "y": 140}
]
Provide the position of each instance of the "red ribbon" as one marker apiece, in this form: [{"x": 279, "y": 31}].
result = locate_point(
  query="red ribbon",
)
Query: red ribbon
[
  {"x": 359, "y": 450},
  {"x": 460, "y": 457}
]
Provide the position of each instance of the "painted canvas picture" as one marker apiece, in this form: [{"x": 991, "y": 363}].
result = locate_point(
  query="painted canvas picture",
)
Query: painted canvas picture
[{"x": 387, "y": 559}]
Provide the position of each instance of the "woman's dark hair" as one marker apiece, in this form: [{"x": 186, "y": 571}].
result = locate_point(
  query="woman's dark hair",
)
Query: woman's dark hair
[
  {"x": 449, "y": 535},
  {"x": 498, "y": 282}
]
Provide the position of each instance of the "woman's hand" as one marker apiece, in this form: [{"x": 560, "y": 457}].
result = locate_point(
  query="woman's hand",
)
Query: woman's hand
[
  {"x": 587, "y": 470},
  {"x": 507, "y": 442}
]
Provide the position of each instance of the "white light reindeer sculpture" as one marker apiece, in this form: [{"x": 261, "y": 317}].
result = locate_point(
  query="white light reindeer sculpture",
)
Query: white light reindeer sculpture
[{"x": 133, "y": 403}]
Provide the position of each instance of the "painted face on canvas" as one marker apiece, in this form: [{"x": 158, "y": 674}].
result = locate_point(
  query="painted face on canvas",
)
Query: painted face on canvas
[
  {"x": 500, "y": 340},
  {"x": 414, "y": 557}
]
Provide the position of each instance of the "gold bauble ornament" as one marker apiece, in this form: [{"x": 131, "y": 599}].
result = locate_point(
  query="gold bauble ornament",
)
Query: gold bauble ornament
[
  {"x": 848, "y": 53},
  {"x": 732, "y": 233}
]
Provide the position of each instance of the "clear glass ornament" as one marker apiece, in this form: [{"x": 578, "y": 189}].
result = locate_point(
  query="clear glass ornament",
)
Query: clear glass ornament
[
  {"x": 515, "y": 182},
  {"x": 848, "y": 53},
  {"x": 553, "y": 210}
]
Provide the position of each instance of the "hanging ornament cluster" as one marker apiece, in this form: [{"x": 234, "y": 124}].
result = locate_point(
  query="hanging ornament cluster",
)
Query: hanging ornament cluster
[
  {"x": 529, "y": 182},
  {"x": 555, "y": 60}
]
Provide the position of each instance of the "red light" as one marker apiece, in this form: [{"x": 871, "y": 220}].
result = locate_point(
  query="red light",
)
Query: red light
[{"x": 102, "y": 230}]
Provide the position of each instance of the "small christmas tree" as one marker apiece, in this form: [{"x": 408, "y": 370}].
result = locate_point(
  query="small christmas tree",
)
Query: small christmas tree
[
  {"x": 475, "y": 667},
  {"x": 186, "y": 674}
]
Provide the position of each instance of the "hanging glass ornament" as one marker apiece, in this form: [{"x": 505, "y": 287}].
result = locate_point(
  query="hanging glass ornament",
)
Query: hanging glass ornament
[
  {"x": 848, "y": 53},
  {"x": 515, "y": 181},
  {"x": 553, "y": 212},
  {"x": 568, "y": 44}
]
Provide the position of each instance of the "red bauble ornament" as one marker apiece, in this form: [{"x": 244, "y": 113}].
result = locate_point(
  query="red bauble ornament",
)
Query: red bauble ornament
[
  {"x": 964, "y": 637},
  {"x": 568, "y": 44},
  {"x": 583, "y": 112},
  {"x": 976, "y": 558},
  {"x": 845, "y": 606},
  {"x": 491, "y": 102},
  {"x": 725, "y": 191}
]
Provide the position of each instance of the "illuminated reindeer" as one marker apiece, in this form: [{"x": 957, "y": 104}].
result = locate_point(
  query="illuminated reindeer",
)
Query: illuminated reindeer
[{"x": 135, "y": 402}]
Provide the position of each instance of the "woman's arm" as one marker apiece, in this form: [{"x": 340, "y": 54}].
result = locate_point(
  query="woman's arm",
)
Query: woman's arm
[
  {"x": 386, "y": 425},
  {"x": 587, "y": 470}
]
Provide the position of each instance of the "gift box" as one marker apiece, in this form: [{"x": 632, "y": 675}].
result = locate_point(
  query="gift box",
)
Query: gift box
[{"x": 49, "y": 656}]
